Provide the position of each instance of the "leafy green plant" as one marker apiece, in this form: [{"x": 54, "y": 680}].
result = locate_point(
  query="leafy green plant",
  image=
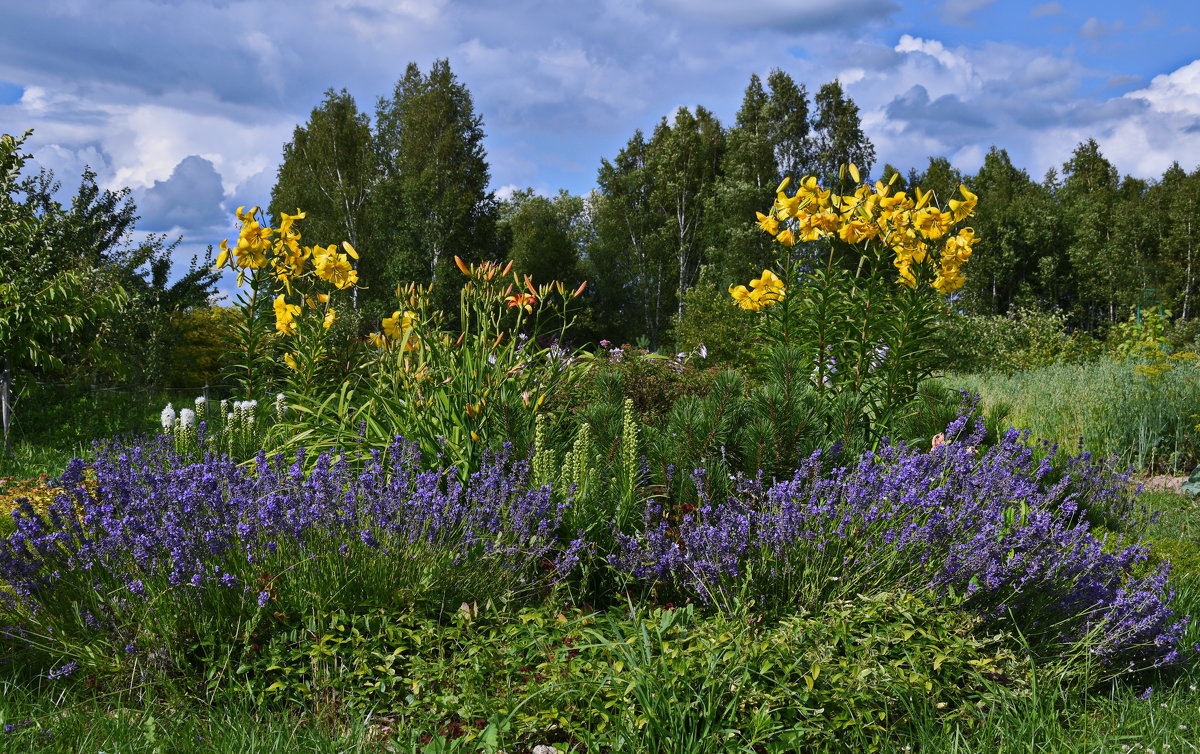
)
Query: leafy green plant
[
  {"x": 669, "y": 679},
  {"x": 868, "y": 336},
  {"x": 456, "y": 391},
  {"x": 712, "y": 321},
  {"x": 1021, "y": 340}
]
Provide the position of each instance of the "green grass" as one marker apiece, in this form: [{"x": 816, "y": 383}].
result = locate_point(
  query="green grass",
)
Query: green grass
[
  {"x": 53, "y": 424},
  {"x": 44, "y": 724},
  {"x": 1147, "y": 422}
]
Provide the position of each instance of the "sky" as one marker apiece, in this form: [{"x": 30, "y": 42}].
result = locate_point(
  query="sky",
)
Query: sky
[{"x": 189, "y": 102}]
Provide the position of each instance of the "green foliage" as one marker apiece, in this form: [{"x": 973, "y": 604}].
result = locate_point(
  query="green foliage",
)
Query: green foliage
[
  {"x": 56, "y": 422},
  {"x": 1141, "y": 336},
  {"x": 842, "y": 679},
  {"x": 201, "y": 338},
  {"x": 863, "y": 343},
  {"x": 749, "y": 172},
  {"x": 46, "y": 301},
  {"x": 76, "y": 297},
  {"x": 790, "y": 126},
  {"x": 542, "y": 235},
  {"x": 650, "y": 222},
  {"x": 1182, "y": 554},
  {"x": 838, "y": 136},
  {"x": 459, "y": 389},
  {"x": 431, "y": 201},
  {"x": 250, "y": 364},
  {"x": 722, "y": 422},
  {"x": 1145, "y": 420},
  {"x": 328, "y": 170},
  {"x": 711, "y": 318},
  {"x": 1024, "y": 339}
]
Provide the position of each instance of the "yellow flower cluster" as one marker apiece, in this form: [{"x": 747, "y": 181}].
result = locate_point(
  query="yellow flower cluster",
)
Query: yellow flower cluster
[
  {"x": 278, "y": 250},
  {"x": 765, "y": 290},
  {"x": 907, "y": 224},
  {"x": 398, "y": 328}
]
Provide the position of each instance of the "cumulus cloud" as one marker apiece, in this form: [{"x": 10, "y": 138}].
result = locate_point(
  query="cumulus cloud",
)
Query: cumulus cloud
[
  {"x": 945, "y": 115},
  {"x": 956, "y": 101},
  {"x": 190, "y": 198},
  {"x": 1165, "y": 128}
]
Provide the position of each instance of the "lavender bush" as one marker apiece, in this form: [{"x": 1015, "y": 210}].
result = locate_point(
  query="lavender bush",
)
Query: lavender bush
[
  {"x": 163, "y": 551},
  {"x": 991, "y": 530},
  {"x": 160, "y": 553}
]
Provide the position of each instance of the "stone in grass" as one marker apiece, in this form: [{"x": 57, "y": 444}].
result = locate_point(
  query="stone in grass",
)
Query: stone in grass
[{"x": 1192, "y": 485}]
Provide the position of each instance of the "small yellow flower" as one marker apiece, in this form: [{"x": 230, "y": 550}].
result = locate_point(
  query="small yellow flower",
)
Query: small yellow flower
[
  {"x": 330, "y": 316},
  {"x": 766, "y": 290},
  {"x": 395, "y": 325},
  {"x": 290, "y": 360},
  {"x": 285, "y": 315},
  {"x": 961, "y": 209},
  {"x": 856, "y": 231},
  {"x": 766, "y": 222},
  {"x": 335, "y": 268},
  {"x": 932, "y": 222}
]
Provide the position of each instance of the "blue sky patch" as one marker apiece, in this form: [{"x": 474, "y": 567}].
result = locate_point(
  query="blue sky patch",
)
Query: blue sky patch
[{"x": 10, "y": 93}]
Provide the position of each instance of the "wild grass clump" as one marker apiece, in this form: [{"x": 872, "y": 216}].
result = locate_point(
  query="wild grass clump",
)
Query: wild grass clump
[{"x": 1146, "y": 420}]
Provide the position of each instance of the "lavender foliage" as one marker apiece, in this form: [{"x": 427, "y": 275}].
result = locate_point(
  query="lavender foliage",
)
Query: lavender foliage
[
  {"x": 993, "y": 530},
  {"x": 155, "y": 528},
  {"x": 1003, "y": 531}
]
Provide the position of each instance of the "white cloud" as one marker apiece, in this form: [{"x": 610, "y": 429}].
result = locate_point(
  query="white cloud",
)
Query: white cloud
[
  {"x": 560, "y": 85},
  {"x": 1177, "y": 92},
  {"x": 1168, "y": 130}
]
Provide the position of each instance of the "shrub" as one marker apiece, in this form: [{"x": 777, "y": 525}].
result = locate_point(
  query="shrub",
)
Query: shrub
[
  {"x": 1021, "y": 340},
  {"x": 710, "y": 319},
  {"x": 201, "y": 343},
  {"x": 185, "y": 551},
  {"x": 986, "y": 527},
  {"x": 841, "y": 678}
]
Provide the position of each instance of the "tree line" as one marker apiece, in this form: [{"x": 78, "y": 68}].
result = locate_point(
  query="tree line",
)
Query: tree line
[
  {"x": 412, "y": 189},
  {"x": 674, "y": 209}
]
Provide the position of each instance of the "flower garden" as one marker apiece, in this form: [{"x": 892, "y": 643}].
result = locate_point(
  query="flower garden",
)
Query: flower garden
[{"x": 493, "y": 540}]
